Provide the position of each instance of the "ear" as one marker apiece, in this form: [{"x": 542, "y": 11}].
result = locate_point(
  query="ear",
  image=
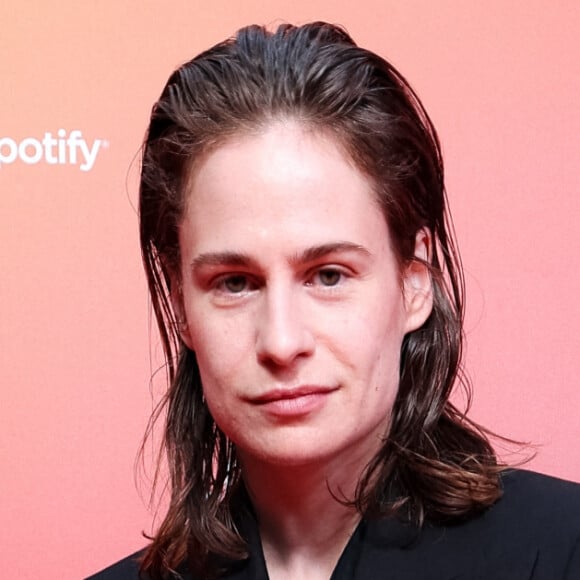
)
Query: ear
[
  {"x": 417, "y": 284},
  {"x": 176, "y": 297}
]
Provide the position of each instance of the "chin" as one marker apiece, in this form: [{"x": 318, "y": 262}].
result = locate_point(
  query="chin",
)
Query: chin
[{"x": 294, "y": 456}]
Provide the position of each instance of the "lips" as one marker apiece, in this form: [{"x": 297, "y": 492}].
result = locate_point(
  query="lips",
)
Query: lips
[
  {"x": 293, "y": 393},
  {"x": 293, "y": 403}
]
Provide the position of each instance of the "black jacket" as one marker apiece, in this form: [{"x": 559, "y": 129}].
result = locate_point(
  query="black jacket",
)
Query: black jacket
[{"x": 531, "y": 533}]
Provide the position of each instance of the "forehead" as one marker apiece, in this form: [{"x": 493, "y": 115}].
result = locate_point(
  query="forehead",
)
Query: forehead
[{"x": 285, "y": 184}]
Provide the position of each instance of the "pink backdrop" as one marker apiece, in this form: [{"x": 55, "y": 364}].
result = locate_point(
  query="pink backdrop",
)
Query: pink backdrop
[{"x": 501, "y": 81}]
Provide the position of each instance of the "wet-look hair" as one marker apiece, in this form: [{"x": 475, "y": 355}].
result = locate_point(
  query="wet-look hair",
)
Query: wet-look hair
[{"x": 434, "y": 464}]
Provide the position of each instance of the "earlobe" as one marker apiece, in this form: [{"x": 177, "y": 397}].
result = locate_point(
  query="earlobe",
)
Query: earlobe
[{"x": 417, "y": 284}]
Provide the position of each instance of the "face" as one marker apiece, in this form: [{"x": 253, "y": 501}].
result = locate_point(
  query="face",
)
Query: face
[{"x": 294, "y": 303}]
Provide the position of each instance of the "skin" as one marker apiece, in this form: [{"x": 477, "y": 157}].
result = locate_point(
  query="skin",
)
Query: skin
[{"x": 296, "y": 310}]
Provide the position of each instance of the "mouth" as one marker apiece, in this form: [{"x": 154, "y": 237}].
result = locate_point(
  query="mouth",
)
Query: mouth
[{"x": 293, "y": 402}]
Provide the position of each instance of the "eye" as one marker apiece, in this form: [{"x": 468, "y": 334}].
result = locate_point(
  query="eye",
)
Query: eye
[
  {"x": 233, "y": 284},
  {"x": 327, "y": 277}
]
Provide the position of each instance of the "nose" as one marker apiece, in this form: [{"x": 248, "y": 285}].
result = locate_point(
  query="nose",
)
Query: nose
[{"x": 283, "y": 334}]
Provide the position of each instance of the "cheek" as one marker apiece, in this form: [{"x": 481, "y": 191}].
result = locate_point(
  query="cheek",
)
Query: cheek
[
  {"x": 376, "y": 326},
  {"x": 375, "y": 349},
  {"x": 221, "y": 350},
  {"x": 218, "y": 368}
]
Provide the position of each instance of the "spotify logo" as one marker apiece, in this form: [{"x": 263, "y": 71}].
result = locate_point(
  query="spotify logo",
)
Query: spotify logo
[{"x": 66, "y": 148}]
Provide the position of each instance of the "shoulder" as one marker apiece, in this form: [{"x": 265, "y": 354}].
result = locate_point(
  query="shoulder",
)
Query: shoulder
[
  {"x": 538, "y": 498},
  {"x": 533, "y": 530},
  {"x": 531, "y": 533},
  {"x": 126, "y": 569},
  {"x": 535, "y": 482}
]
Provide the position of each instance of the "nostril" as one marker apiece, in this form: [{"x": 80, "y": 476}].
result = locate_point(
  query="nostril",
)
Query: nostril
[{"x": 278, "y": 347}]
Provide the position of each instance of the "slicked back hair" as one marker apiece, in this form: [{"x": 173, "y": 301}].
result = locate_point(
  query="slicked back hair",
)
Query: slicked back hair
[{"x": 435, "y": 464}]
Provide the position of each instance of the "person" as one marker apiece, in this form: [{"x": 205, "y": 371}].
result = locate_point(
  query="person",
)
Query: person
[{"x": 308, "y": 291}]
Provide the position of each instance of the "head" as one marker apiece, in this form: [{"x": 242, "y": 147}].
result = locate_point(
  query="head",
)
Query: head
[{"x": 313, "y": 77}]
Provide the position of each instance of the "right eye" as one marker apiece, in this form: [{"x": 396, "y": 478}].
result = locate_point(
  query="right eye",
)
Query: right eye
[{"x": 233, "y": 284}]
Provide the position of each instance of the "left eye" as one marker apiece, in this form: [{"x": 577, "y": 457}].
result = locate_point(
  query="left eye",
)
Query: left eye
[
  {"x": 328, "y": 276},
  {"x": 235, "y": 284}
]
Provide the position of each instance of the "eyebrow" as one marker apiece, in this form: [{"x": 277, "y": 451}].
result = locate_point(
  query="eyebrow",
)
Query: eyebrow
[
  {"x": 316, "y": 252},
  {"x": 208, "y": 259}
]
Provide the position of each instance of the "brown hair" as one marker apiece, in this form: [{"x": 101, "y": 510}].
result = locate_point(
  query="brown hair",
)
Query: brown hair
[{"x": 435, "y": 463}]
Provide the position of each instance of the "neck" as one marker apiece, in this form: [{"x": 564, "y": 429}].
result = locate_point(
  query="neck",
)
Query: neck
[{"x": 304, "y": 524}]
